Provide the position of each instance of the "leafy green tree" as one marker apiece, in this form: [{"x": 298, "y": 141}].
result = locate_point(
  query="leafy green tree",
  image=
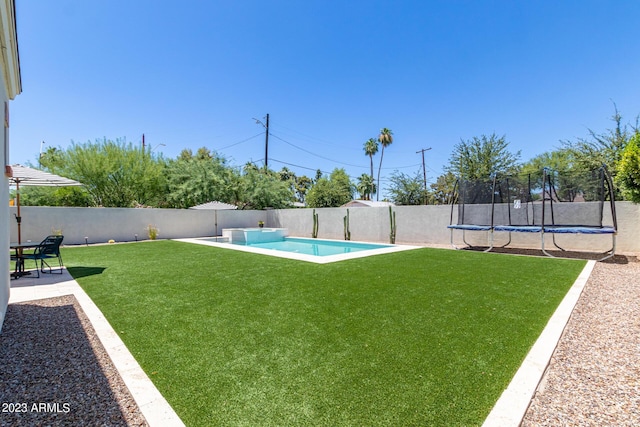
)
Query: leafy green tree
[
  {"x": 442, "y": 189},
  {"x": 260, "y": 189},
  {"x": 482, "y": 157},
  {"x": 289, "y": 177},
  {"x": 200, "y": 178},
  {"x": 386, "y": 139},
  {"x": 303, "y": 184},
  {"x": 406, "y": 190},
  {"x": 628, "y": 177},
  {"x": 559, "y": 160},
  {"x": 366, "y": 186},
  {"x": 115, "y": 173},
  {"x": 55, "y": 196},
  {"x": 51, "y": 160},
  {"x": 602, "y": 148},
  {"x": 331, "y": 192}
]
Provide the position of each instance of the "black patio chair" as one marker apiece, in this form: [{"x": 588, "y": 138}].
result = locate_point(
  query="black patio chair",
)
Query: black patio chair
[{"x": 48, "y": 249}]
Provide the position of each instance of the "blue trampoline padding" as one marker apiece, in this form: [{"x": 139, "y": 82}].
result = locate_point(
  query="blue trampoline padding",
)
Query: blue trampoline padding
[
  {"x": 470, "y": 227},
  {"x": 519, "y": 228},
  {"x": 579, "y": 229}
]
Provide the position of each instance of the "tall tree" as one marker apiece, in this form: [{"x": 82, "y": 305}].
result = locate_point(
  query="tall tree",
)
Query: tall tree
[
  {"x": 370, "y": 149},
  {"x": 385, "y": 138},
  {"x": 482, "y": 157},
  {"x": 602, "y": 148}
]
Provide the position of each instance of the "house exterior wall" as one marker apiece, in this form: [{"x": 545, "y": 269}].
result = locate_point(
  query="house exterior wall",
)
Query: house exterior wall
[
  {"x": 5, "y": 283},
  {"x": 11, "y": 87},
  {"x": 418, "y": 225}
]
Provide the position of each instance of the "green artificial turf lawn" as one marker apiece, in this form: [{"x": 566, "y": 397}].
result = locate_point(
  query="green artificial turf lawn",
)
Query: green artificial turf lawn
[{"x": 422, "y": 337}]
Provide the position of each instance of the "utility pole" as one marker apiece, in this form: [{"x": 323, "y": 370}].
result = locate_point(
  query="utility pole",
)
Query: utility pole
[
  {"x": 266, "y": 145},
  {"x": 266, "y": 140},
  {"x": 40, "y": 158},
  {"x": 424, "y": 171},
  {"x": 143, "y": 143}
]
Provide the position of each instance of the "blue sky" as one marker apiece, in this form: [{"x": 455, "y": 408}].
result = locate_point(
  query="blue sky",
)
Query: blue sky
[{"x": 330, "y": 74}]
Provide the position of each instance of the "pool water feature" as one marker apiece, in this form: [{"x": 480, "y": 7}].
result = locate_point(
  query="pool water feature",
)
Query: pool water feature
[
  {"x": 254, "y": 235},
  {"x": 315, "y": 247},
  {"x": 320, "y": 251}
]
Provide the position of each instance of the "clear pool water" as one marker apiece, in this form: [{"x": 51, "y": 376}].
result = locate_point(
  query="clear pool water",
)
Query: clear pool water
[{"x": 315, "y": 247}]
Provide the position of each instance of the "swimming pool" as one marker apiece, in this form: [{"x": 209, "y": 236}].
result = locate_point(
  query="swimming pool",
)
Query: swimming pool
[
  {"x": 319, "y": 251},
  {"x": 315, "y": 247}
]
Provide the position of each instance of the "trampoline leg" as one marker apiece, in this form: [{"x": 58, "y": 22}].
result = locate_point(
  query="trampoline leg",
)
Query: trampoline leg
[
  {"x": 464, "y": 239},
  {"x": 544, "y": 251},
  {"x": 490, "y": 241},
  {"x": 508, "y": 243},
  {"x": 452, "y": 244},
  {"x": 612, "y": 252},
  {"x": 609, "y": 254},
  {"x": 555, "y": 244}
]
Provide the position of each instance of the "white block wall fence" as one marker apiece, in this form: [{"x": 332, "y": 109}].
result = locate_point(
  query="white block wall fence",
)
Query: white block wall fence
[{"x": 418, "y": 225}]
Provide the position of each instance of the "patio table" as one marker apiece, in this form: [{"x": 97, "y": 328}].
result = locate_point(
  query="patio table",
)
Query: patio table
[{"x": 19, "y": 249}]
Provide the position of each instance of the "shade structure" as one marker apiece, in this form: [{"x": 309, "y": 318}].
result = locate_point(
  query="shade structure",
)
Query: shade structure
[
  {"x": 215, "y": 205},
  {"x": 23, "y": 175}
]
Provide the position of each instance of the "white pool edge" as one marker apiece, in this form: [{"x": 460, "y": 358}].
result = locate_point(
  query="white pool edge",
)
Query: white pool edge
[{"x": 303, "y": 257}]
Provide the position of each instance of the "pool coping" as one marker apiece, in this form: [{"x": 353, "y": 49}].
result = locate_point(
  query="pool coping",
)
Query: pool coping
[{"x": 304, "y": 257}]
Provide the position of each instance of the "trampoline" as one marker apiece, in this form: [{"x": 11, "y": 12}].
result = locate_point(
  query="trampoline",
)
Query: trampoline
[{"x": 547, "y": 202}]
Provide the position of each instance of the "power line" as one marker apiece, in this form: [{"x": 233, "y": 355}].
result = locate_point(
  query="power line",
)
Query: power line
[
  {"x": 298, "y": 166},
  {"x": 317, "y": 155},
  {"x": 337, "y": 161},
  {"x": 313, "y": 138},
  {"x": 239, "y": 142}
]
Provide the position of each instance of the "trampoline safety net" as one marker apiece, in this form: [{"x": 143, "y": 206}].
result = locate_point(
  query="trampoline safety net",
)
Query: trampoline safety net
[{"x": 544, "y": 202}]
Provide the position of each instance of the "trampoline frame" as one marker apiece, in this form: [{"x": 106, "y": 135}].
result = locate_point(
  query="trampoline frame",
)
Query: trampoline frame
[{"x": 549, "y": 193}]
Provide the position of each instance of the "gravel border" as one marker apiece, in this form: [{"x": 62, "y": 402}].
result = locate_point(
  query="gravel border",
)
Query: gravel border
[
  {"x": 55, "y": 371},
  {"x": 593, "y": 378}
]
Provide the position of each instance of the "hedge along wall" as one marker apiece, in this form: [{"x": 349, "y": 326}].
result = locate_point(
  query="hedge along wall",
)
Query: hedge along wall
[{"x": 415, "y": 225}]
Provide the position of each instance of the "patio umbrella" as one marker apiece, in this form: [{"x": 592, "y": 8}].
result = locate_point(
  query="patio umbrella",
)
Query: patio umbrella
[{"x": 23, "y": 175}]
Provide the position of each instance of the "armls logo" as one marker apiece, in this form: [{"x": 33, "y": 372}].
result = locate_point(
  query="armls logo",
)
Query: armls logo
[{"x": 51, "y": 407}]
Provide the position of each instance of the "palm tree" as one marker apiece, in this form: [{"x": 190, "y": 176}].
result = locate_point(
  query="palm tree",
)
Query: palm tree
[
  {"x": 370, "y": 149},
  {"x": 385, "y": 138},
  {"x": 366, "y": 187}
]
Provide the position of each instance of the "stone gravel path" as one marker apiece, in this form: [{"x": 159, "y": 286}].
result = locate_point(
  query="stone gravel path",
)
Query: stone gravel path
[
  {"x": 593, "y": 378},
  {"x": 55, "y": 371}
]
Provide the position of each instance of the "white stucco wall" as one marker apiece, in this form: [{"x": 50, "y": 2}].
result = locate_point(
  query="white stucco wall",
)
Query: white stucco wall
[
  {"x": 100, "y": 225},
  {"x": 11, "y": 87},
  {"x": 419, "y": 225}
]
